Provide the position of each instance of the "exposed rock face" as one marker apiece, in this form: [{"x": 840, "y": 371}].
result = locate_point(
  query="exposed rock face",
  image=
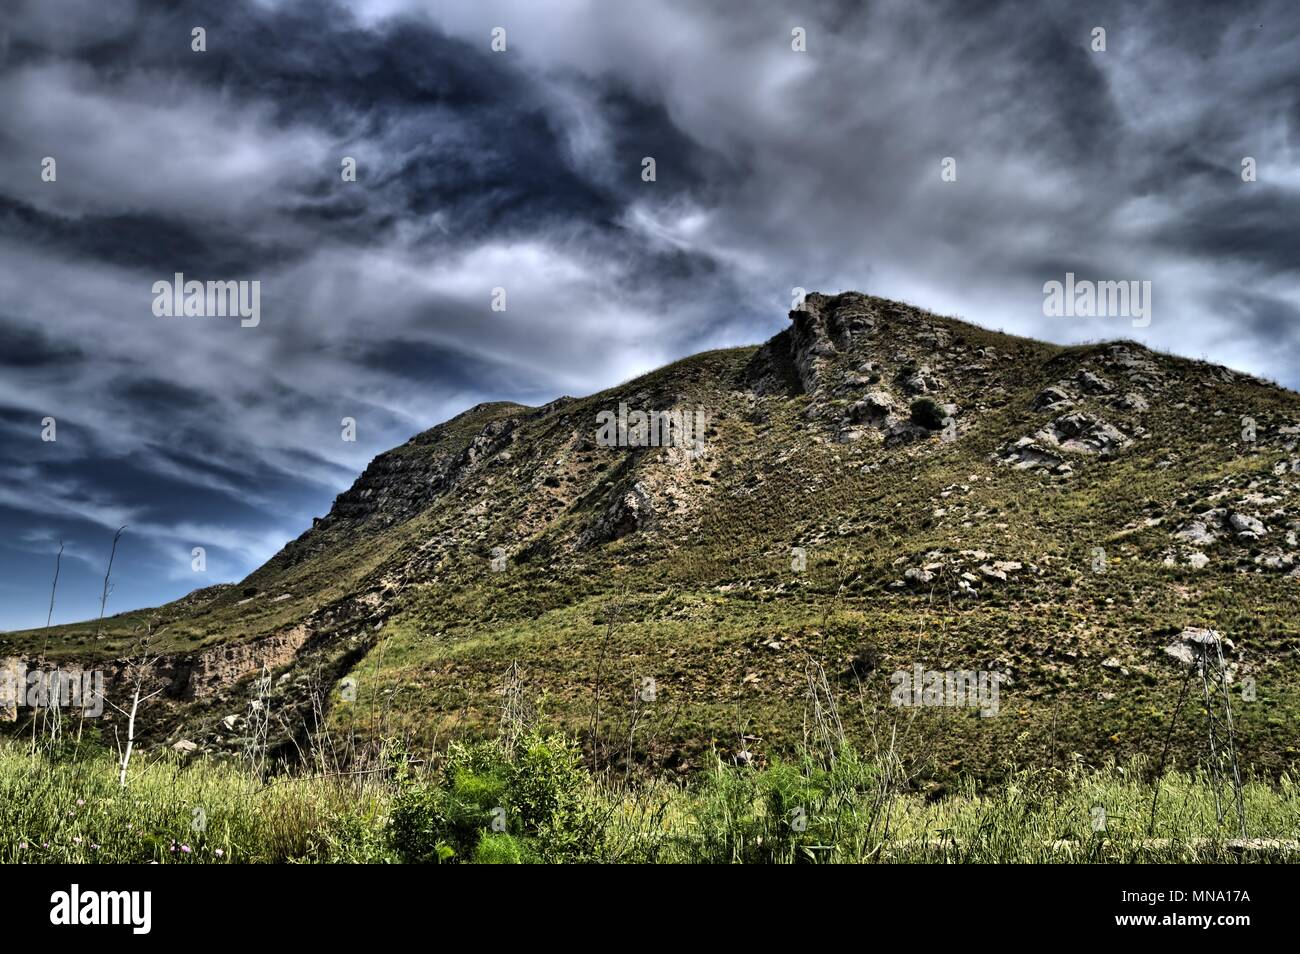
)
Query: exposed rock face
[
  {"x": 1092, "y": 383},
  {"x": 1243, "y": 525},
  {"x": 212, "y": 670},
  {"x": 921, "y": 381},
  {"x": 9, "y": 672},
  {"x": 181, "y": 676},
  {"x": 873, "y": 409},
  {"x": 1081, "y": 434},
  {"x": 1028, "y": 454},
  {"x": 1075, "y": 433},
  {"x": 1212, "y": 525},
  {"x": 1198, "y": 533},
  {"x": 630, "y": 511},
  {"x": 856, "y": 354},
  {"x": 1050, "y": 398},
  {"x": 396, "y": 486},
  {"x": 819, "y": 331}
]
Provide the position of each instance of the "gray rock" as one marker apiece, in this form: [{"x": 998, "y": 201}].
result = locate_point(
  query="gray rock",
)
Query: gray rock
[
  {"x": 1049, "y": 398},
  {"x": 1110, "y": 662},
  {"x": 1093, "y": 384},
  {"x": 1243, "y": 524},
  {"x": 872, "y": 409},
  {"x": 1195, "y": 643},
  {"x": 1081, "y": 434},
  {"x": 1197, "y": 533}
]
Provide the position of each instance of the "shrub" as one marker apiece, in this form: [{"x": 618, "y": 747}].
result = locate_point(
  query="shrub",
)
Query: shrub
[
  {"x": 543, "y": 795},
  {"x": 928, "y": 414},
  {"x": 419, "y": 831},
  {"x": 548, "y": 797}
]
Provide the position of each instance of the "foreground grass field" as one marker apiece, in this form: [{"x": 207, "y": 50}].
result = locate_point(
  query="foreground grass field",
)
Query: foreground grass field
[{"x": 529, "y": 799}]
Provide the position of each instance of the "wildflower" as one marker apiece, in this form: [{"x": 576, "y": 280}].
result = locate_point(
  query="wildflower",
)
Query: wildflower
[
  {"x": 185, "y": 849},
  {"x": 77, "y": 839},
  {"x": 219, "y": 853},
  {"x": 22, "y": 846},
  {"x": 81, "y": 801}
]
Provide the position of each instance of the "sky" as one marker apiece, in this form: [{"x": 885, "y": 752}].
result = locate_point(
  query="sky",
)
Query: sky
[{"x": 956, "y": 155}]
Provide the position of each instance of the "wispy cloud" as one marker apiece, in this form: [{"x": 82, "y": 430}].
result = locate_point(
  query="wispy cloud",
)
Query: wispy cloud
[{"x": 522, "y": 170}]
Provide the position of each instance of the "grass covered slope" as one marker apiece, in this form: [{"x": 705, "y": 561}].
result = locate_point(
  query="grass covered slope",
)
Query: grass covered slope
[{"x": 878, "y": 487}]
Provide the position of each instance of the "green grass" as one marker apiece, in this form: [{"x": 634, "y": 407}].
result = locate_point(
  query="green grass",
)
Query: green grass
[{"x": 841, "y": 809}]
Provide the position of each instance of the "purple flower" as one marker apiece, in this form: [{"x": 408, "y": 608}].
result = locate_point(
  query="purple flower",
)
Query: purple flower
[{"x": 185, "y": 848}]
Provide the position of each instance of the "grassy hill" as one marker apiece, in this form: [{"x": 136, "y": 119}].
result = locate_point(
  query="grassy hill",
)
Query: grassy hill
[{"x": 877, "y": 487}]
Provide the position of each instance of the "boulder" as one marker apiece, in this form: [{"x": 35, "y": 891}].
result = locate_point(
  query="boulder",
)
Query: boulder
[
  {"x": 1195, "y": 643},
  {"x": 1093, "y": 384},
  {"x": 1244, "y": 525},
  {"x": 1049, "y": 398}
]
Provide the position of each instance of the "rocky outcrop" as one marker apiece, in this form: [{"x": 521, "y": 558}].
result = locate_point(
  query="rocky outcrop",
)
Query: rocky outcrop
[
  {"x": 1082, "y": 434},
  {"x": 630, "y": 511}
]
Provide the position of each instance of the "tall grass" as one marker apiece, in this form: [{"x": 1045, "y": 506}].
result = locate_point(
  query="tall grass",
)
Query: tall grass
[{"x": 815, "y": 810}]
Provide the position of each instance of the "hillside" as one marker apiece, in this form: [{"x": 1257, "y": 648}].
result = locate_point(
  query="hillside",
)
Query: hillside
[{"x": 877, "y": 487}]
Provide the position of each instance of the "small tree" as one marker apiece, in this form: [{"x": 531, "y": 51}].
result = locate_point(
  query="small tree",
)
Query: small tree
[{"x": 138, "y": 671}]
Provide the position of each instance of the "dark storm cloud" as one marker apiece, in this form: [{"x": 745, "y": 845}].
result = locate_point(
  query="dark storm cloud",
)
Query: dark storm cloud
[
  {"x": 27, "y": 348},
  {"x": 137, "y": 240},
  {"x": 479, "y": 169}
]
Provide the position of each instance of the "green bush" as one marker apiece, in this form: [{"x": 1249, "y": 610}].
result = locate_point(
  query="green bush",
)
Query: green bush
[
  {"x": 542, "y": 795},
  {"x": 548, "y": 798},
  {"x": 418, "y": 830},
  {"x": 928, "y": 414}
]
